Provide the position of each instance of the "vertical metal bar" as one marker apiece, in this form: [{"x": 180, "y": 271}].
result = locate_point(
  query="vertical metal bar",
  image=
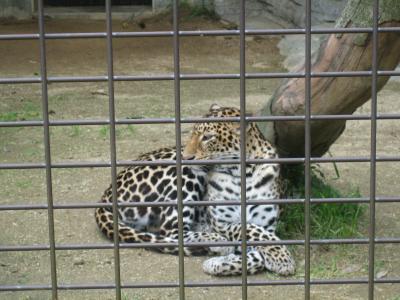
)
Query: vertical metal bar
[
  {"x": 307, "y": 151},
  {"x": 242, "y": 27},
  {"x": 47, "y": 150},
  {"x": 113, "y": 151},
  {"x": 371, "y": 254},
  {"x": 178, "y": 143}
]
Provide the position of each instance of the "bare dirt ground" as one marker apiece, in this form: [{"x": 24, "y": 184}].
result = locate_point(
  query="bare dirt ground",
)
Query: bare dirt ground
[{"x": 136, "y": 56}]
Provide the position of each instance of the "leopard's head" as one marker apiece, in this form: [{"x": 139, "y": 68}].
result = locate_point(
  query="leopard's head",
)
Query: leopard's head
[{"x": 214, "y": 139}]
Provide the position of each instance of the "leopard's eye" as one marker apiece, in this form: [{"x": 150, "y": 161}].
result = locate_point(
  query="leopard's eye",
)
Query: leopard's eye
[{"x": 207, "y": 137}]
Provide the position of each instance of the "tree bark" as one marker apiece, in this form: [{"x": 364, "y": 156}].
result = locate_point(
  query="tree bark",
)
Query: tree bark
[{"x": 335, "y": 95}]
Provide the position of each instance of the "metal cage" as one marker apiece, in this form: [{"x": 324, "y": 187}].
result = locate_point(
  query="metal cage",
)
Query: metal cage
[{"x": 176, "y": 77}]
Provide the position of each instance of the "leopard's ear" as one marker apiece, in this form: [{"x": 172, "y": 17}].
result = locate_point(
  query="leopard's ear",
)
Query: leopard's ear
[
  {"x": 236, "y": 125},
  {"x": 249, "y": 114},
  {"x": 214, "y": 107},
  {"x": 236, "y": 129}
]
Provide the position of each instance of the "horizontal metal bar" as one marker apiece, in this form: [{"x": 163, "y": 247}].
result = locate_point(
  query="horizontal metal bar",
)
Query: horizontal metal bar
[
  {"x": 22, "y": 123},
  {"x": 18, "y": 80},
  {"x": 88, "y": 246},
  {"x": 74, "y": 35},
  {"x": 143, "y": 121},
  {"x": 64, "y": 79},
  {"x": 24, "y": 207},
  {"x": 342, "y": 74},
  {"x": 194, "y": 284},
  {"x": 19, "y": 36},
  {"x": 67, "y": 165},
  {"x": 86, "y": 35},
  {"x": 94, "y": 204},
  {"x": 154, "y": 77}
]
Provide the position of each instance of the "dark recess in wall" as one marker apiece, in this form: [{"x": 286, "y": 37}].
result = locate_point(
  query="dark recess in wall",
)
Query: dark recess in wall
[{"x": 94, "y": 2}]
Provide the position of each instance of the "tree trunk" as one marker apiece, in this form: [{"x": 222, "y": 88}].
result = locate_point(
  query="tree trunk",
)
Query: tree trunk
[{"x": 335, "y": 95}]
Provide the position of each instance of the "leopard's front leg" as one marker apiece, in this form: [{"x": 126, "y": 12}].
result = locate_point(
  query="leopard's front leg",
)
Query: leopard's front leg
[
  {"x": 275, "y": 258},
  {"x": 169, "y": 228}
]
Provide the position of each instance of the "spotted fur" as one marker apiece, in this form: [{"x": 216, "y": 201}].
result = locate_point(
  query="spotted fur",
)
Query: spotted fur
[
  {"x": 262, "y": 183},
  {"x": 152, "y": 184}
]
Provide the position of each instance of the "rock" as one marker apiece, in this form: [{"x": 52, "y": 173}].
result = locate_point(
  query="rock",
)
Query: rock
[
  {"x": 99, "y": 92},
  {"x": 79, "y": 262},
  {"x": 280, "y": 12},
  {"x": 224, "y": 22},
  {"x": 302, "y": 263},
  {"x": 352, "y": 269},
  {"x": 396, "y": 78},
  {"x": 293, "y": 48},
  {"x": 382, "y": 274},
  {"x": 260, "y": 65},
  {"x": 249, "y": 38}
]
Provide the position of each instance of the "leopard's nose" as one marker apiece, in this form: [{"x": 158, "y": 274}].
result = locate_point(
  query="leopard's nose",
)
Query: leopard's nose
[{"x": 187, "y": 156}]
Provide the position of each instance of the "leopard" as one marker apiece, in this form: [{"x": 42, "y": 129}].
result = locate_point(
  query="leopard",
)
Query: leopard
[
  {"x": 154, "y": 184},
  {"x": 263, "y": 182}
]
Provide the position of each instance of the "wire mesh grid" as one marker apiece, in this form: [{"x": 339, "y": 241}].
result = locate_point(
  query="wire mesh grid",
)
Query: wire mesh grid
[{"x": 176, "y": 77}]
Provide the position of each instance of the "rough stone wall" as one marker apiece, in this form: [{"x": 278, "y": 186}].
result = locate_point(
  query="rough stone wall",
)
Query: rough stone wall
[
  {"x": 159, "y": 5},
  {"x": 18, "y": 9},
  {"x": 281, "y": 11}
]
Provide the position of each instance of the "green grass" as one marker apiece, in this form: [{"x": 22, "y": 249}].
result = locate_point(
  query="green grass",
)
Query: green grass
[
  {"x": 202, "y": 11},
  {"x": 75, "y": 131},
  {"x": 328, "y": 220},
  {"x": 327, "y": 269},
  {"x": 24, "y": 184},
  {"x": 104, "y": 131},
  {"x": 28, "y": 111},
  {"x": 127, "y": 297},
  {"x": 120, "y": 131},
  {"x": 191, "y": 11}
]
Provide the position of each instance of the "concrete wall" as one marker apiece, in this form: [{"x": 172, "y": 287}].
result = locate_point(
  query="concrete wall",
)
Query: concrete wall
[{"x": 18, "y": 9}]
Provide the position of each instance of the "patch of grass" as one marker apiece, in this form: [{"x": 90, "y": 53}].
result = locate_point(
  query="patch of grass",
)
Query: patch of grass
[
  {"x": 32, "y": 151},
  {"x": 28, "y": 111},
  {"x": 120, "y": 131},
  {"x": 75, "y": 131},
  {"x": 60, "y": 97},
  {"x": 127, "y": 297},
  {"x": 379, "y": 265},
  {"x": 9, "y": 116},
  {"x": 192, "y": 11},
  {"x": 328, "y": 220},
  {"x": 130, "y": 129},
  {"x": 104, "y": 131},
  {"x": 327, "y": 269},
  {"x": 23, "y": 184}
]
